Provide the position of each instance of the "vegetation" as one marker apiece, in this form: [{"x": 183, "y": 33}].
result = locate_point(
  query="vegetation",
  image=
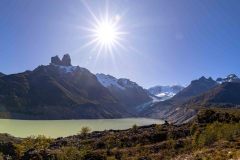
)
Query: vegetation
[
  {"x": 38, "y": 143},
  {"x": 84, "y": 131},
  {"x": 134, "y": 128},
  {"x": 216, "y": 132},
  {"x": 213, "y": 134}
]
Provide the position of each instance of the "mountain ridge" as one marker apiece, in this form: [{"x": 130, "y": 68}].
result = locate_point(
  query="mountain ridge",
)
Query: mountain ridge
[
  {"x": 222, "y": 95},
  {"x": 58, "y": 92}
]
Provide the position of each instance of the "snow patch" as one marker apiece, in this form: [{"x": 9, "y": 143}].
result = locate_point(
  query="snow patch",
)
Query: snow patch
[
  {"x": 165, "y": 92},
  {"x": 108, "y": 81},
  {"x": 66, "y": 69},
  {"x": 229, "y": 78}
]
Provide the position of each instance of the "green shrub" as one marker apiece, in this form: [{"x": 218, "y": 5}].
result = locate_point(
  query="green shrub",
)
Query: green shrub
[
  {"x": 85, "y": 130},
  {"x": 33, "y": 142},
  {"x": 193, "y": 128},
  {"x": 158, "y": 128},
  {"x": 1, "y": 156},
  {"x": 134, "y": 128},
  {"x": 69, "y": 153},
  {"x": 217, "y": 131}
]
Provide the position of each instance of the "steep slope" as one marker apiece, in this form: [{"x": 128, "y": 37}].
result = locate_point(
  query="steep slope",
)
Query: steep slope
[
  {"x": 1, "y": 74},
  {"x": 129, "y": 93},
  {"x": 57, "y": 91},
  {"x": 197, "y": 87},
  {"x": 226, "y": 95}
]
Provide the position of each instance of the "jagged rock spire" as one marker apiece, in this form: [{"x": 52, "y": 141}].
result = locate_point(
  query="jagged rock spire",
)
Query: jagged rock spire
[
  {"x": 56, "y": 60},
  {"x": 66, "y": 60}
]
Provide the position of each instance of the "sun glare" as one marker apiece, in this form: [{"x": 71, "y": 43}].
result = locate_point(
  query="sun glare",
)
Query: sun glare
[{"x": 106, "y": 33}]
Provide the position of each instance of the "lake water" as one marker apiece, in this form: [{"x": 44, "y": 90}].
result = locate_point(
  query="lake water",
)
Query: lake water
[{"x": 61, "y": 128}]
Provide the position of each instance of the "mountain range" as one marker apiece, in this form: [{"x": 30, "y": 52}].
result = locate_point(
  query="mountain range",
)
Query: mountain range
[
  {"x": 63, "y": 91},
  {"x": 201, "y": 93}
]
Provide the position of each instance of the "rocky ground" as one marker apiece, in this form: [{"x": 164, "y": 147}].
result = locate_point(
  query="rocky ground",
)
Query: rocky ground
[{"x": 214, "y": 134}]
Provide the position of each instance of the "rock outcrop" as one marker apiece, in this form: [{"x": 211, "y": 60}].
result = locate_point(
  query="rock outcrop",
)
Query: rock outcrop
[
  {"x": 56, "y": 60},
  {"x": 66, "y": 60}
]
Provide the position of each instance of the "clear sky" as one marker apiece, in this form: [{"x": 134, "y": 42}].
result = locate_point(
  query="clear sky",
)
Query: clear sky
[{"x": 166, "y": 42}]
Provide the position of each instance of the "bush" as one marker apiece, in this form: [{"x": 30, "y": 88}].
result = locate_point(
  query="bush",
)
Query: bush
[
  {"x": 84, "y": 131},
  {"x": 158, "y": 128},
  {"x": 217, "y": 131},
  {"x": 134, "y": 128},
  {"x": 38, "y": 143},
  {"x": 93, "y": 156},
  {"x": 69, "y": 153},
  {"x": 73, "y": 153}
]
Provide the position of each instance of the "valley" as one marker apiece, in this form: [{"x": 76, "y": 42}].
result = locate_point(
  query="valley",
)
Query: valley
[
  {"x": 64, "y": 112},
  {"x": 63, "y": 91},
  {"x": 119, "y": 80}
]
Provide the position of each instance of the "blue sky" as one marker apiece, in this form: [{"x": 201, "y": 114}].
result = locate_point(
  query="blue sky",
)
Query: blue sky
[{"x": 167, "y": 42}]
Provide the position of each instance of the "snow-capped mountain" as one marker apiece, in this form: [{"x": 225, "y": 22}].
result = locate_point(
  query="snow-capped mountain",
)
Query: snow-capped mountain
[
  {"x": 126, "y": 91},
  {"x": 58, "y": 91},
  {"x": 165, "y": 92},
  {"x": 110, "y": 81},
  {"x": 229, "y": 78}
]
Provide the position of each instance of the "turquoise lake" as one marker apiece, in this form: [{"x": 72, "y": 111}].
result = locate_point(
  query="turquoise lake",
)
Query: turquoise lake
[{"x": 62, "y": 128}]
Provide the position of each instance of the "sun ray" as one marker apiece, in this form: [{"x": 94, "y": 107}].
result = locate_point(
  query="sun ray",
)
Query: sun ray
[
  {"x": 104, "y": 34},
  {"x": 90, "y": 11}
]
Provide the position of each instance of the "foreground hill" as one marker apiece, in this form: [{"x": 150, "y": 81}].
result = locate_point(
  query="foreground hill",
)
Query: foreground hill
[
  {"x": 213, "y": 134},
  {"x": 61, "y": 91}
]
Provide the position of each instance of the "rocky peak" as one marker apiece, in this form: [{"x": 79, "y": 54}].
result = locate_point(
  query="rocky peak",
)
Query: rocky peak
[
  {"x": 229, "y": 78},
  {"x": 56, "y": 60},
  {"x": 203, "y": 80},
  {"x": 66, "y": 60}
]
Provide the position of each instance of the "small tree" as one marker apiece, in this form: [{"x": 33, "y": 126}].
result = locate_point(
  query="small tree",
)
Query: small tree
[
  {"x": 134, "y": 128},
  {"x": 85, "y": 130}
]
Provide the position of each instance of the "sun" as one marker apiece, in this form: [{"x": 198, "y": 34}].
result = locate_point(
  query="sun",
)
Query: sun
[{"x": 106, "y": 33}]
